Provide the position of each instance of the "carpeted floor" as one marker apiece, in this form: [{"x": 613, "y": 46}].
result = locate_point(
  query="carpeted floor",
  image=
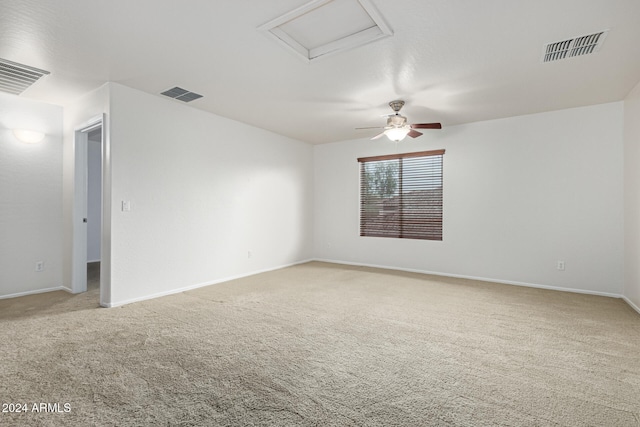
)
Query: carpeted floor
[{"x": 324, "y": 345}]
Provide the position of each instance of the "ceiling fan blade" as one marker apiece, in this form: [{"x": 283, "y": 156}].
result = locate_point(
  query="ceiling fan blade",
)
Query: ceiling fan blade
[
  {"x": 414, "y": 133},
  {"x": 380, "y": 135},
  {"x": 426, "y": 126},
  {"x": 372, "y": 127}
]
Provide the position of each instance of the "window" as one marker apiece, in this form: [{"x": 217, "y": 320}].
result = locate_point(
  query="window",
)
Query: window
[{"x": 401, "y": 195}]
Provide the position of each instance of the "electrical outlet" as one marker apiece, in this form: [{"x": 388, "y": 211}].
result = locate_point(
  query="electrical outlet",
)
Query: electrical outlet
[
  {"x": 39, "y": 266},
  {"x": 560, "y": 265},
  {"x": 126, "y": 206},
  {"x": 249, "y": 254}
]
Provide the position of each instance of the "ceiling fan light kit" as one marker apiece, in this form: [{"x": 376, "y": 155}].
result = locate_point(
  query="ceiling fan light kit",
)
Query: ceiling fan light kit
[
  {"x": 397, "y": 134},
  {"x": 397, "y": 128}
]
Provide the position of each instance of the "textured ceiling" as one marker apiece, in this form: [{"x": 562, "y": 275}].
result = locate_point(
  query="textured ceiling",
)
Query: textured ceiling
[{"x": 453, "y": 61}]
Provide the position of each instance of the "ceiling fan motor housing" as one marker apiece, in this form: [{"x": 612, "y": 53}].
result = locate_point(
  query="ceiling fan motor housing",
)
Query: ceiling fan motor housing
[{"x": 396, "y": 120}]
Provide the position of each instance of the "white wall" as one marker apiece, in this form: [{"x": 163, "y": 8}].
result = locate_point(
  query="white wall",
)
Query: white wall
[
  {"x": 632, "y": 197},
  {"x": 204, "y": 191},
  {"x": 30, "y": 197},
  {"x": 94, "y": 196},
  {"x": 519, "y": 194}
]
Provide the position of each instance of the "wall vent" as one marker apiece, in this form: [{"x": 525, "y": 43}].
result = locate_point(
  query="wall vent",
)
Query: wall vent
[
  {"x": 181, "y": 94},
  {"x": 16, "y": 78},
  {"x": 576, "y": 46}
]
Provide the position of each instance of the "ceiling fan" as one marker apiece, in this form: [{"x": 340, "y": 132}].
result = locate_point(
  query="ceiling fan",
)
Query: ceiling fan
[{"x": 397, "y": 127}]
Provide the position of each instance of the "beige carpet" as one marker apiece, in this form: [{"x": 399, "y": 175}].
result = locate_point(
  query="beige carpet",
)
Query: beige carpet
[{"x": 325, "y": 345}]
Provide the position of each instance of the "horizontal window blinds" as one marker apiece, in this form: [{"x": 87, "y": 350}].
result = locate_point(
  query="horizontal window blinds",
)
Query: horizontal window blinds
[{"x": 401, "y": 195}]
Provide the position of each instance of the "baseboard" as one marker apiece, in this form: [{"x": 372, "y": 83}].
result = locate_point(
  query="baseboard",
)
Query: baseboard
[
  {"x": 199, "y": 285},
  {"x": 385, "y": 267},
  {"x": 628, "y": 301},
  {"x": 482, "y": 279},
  {"x": 37, "y": 291}
]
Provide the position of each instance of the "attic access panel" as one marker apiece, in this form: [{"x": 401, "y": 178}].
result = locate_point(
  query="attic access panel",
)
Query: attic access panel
[{"x": 323, "y": 27}]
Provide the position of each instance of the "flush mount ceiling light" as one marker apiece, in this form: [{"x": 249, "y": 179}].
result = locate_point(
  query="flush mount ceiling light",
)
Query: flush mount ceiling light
[
  {"x": 28, "y": 136},
  {"x": 323, "y": 27}
]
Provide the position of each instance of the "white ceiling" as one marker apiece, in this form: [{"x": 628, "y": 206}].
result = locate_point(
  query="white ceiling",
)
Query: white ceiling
[{"x": 452, "y": 61}]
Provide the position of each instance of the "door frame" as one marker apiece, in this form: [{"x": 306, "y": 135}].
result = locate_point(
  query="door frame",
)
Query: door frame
[{"x": 79, "y": 241}]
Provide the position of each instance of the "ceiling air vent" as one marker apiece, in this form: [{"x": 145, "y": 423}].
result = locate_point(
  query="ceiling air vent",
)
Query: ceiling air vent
[
  {"x": 576, "y": 46},
  {"x": 16, "y": 78},
  {"x": 181, "y": 94}
]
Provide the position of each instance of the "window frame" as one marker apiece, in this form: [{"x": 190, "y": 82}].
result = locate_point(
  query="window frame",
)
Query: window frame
[{"x": 383, "y": 229}]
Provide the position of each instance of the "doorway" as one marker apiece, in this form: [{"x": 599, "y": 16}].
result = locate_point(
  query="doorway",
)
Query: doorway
[
  {"x": 88, "y": 264},
  {"x": 94, "y": 208}
]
